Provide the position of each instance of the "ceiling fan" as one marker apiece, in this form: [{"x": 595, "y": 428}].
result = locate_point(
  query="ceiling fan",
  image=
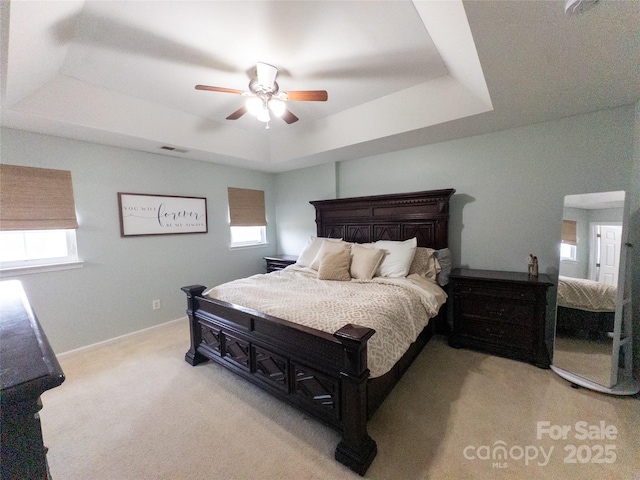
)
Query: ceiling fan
[{"x": 265, "y": 96}]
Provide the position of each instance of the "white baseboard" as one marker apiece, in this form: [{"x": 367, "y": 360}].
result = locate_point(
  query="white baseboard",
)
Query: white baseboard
[{"x": 119, "y": 337}]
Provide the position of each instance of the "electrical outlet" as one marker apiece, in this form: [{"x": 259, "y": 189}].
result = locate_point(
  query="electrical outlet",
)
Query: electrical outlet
[{"x": 156, "y": 304}]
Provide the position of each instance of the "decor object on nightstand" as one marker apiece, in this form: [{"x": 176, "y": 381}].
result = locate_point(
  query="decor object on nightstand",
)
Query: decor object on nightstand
[
  {"x": 533, "y": 265},
  {"x": 502, "y": 313},
  {"x": 278, "y": 262}
]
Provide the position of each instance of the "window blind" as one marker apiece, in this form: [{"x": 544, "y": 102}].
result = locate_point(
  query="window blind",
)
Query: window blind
[
  {"x": 36, "y": 199},
  {"x": 246, "y": 207},
  {"x": 569, "y": 232}
]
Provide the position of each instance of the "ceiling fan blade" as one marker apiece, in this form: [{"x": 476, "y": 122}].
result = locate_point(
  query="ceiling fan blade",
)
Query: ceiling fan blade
[
  {"x": 308, "y": 96},
  {"x": 289, "y": 117},
  {"x": 219, "y": 89},
  {"x": 238, "y": 113},
  {"x": 266, "y": 74}
]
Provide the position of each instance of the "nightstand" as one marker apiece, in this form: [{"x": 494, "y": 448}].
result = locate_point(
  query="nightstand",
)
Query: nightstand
[
  {"x": 278, "y": 262},
  {"x": 502, "y": 313}
]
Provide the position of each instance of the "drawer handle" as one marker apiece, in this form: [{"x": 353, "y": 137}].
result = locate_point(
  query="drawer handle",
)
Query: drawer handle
[{"x": 497, "y": 313}]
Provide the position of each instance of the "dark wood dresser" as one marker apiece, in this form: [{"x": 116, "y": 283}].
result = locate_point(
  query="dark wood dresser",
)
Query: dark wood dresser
[
  {"x": 278, "y": 262},
  {"x": 29, "y": 368},
  {"x": 502, "y": 313}
]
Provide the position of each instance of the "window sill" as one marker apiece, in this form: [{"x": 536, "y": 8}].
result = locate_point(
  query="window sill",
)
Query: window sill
[
  {"x": 242, "y": 247},
  {"x": 54, "y": 267}
]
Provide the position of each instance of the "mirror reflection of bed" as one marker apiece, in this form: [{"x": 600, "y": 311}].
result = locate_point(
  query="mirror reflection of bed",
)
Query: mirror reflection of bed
[{"x": 592, "y": 338}]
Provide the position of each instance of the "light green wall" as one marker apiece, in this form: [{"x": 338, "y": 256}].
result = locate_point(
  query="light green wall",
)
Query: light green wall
[
  {"x": 112, "y": 294},
  {"x": 296, "y": 216}
]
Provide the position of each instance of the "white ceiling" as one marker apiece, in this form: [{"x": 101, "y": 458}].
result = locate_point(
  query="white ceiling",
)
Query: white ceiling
[{"x": 399, "y": 74}]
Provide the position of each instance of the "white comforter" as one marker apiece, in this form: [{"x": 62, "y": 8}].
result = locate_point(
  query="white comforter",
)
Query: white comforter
[{"x": 396, "y": 308}]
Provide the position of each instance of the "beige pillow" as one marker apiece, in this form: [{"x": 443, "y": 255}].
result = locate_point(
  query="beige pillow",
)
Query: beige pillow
[
  {"x": 365, "y": 261},
  {"x": 425, "y": 263},
  {"x": 329, "y": 247},
  {"x": 335, "y": 266}
]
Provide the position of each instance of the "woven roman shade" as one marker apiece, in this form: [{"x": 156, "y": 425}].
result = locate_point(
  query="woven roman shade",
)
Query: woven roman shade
[
  {"x": 36, "y": 199},
  {"x": 569, "y": 232},
  {"x": 246, "y": 207}
]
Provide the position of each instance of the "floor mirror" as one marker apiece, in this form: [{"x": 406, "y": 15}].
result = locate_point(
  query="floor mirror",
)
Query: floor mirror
[{"x": 592, "y": 343}]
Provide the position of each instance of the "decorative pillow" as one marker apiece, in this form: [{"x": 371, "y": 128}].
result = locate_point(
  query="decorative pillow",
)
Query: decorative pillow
[
  {"x": 444, "y": 258},
  {"x": 425, "y": 263},
  {"x": 335, "y": 266},
  {"x": 398, "y": 257},
  {"x": 311, "y": 248},
  {"x": 331, "y": 247},
  {"x": 365, "y": 261}
]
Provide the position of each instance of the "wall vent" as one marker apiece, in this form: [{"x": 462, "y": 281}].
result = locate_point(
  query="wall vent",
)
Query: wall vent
[{"x": 174, "y": 149}]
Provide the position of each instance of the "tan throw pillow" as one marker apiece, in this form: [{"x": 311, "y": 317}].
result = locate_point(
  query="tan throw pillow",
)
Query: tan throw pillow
[
  {"x": 365, "y": 261},
  {"x": 328, "y": 247},
  {"x": 425, "y": 263},
  {"x": 335, "y": 266}
]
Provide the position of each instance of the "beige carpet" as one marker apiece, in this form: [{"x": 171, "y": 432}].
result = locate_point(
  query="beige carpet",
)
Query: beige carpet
[{"x": 134, "y": 409}]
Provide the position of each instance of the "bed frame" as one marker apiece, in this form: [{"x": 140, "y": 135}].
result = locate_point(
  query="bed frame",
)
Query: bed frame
[{"x": 324, "y": 375}]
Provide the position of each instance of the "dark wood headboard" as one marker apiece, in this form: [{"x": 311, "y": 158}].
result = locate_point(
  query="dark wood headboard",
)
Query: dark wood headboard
[{"x": 424, "y": 215}]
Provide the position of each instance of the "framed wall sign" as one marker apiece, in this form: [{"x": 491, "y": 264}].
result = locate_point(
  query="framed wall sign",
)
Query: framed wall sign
[{"x": 142, "y": 214}]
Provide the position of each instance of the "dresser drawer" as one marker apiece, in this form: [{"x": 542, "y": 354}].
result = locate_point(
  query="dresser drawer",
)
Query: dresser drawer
[
  {"x": 495, "y": 290},
  {"x": 517, "y": 336},
  {"x": 495, "y": 310}
]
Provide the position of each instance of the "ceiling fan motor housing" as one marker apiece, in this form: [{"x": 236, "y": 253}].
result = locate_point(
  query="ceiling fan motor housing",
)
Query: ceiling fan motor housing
[{"x": 258, "y": 88}]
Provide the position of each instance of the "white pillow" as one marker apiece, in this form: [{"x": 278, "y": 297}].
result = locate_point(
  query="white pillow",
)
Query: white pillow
[
  {"x": 310, "y": 250},
  {"x": 328, "y": 246},
  {"x": 398, "y": 258},
  {"x": 365, "y": 261}
]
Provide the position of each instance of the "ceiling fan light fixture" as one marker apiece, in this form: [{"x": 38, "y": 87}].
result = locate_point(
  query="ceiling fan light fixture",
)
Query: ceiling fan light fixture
[
  {"x": 277, "y": 107},
  {"x": 263, "y": 115},
  {"x": 254, "y": 105}
]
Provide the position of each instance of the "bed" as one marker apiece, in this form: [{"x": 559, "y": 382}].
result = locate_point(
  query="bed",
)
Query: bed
[
  {"x": 325, "y": 374},
  {"x": 586, "y": 308}
]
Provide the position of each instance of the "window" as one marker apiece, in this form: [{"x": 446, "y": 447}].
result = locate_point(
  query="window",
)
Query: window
[
  {"x": 568, "y": 245},
  {"x": 568, "y": 252},
  {"x": 38, "y": 218},
  {"x": 247, "y": 218},
  {"x": 243, "y": 236},
  {"x": 28, "y": 248}
]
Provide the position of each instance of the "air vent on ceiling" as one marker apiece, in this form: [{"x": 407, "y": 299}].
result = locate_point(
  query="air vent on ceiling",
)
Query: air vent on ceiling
[{"x": 174, "y": 149}]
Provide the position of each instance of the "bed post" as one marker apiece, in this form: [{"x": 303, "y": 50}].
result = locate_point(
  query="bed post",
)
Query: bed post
[
  {"x": 356, "y": 449},
  {"x": 192, "y": 357}
]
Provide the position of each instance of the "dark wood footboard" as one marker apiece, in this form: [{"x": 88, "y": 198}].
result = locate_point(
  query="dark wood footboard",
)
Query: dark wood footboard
[{"x": 324, "y": 375}]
